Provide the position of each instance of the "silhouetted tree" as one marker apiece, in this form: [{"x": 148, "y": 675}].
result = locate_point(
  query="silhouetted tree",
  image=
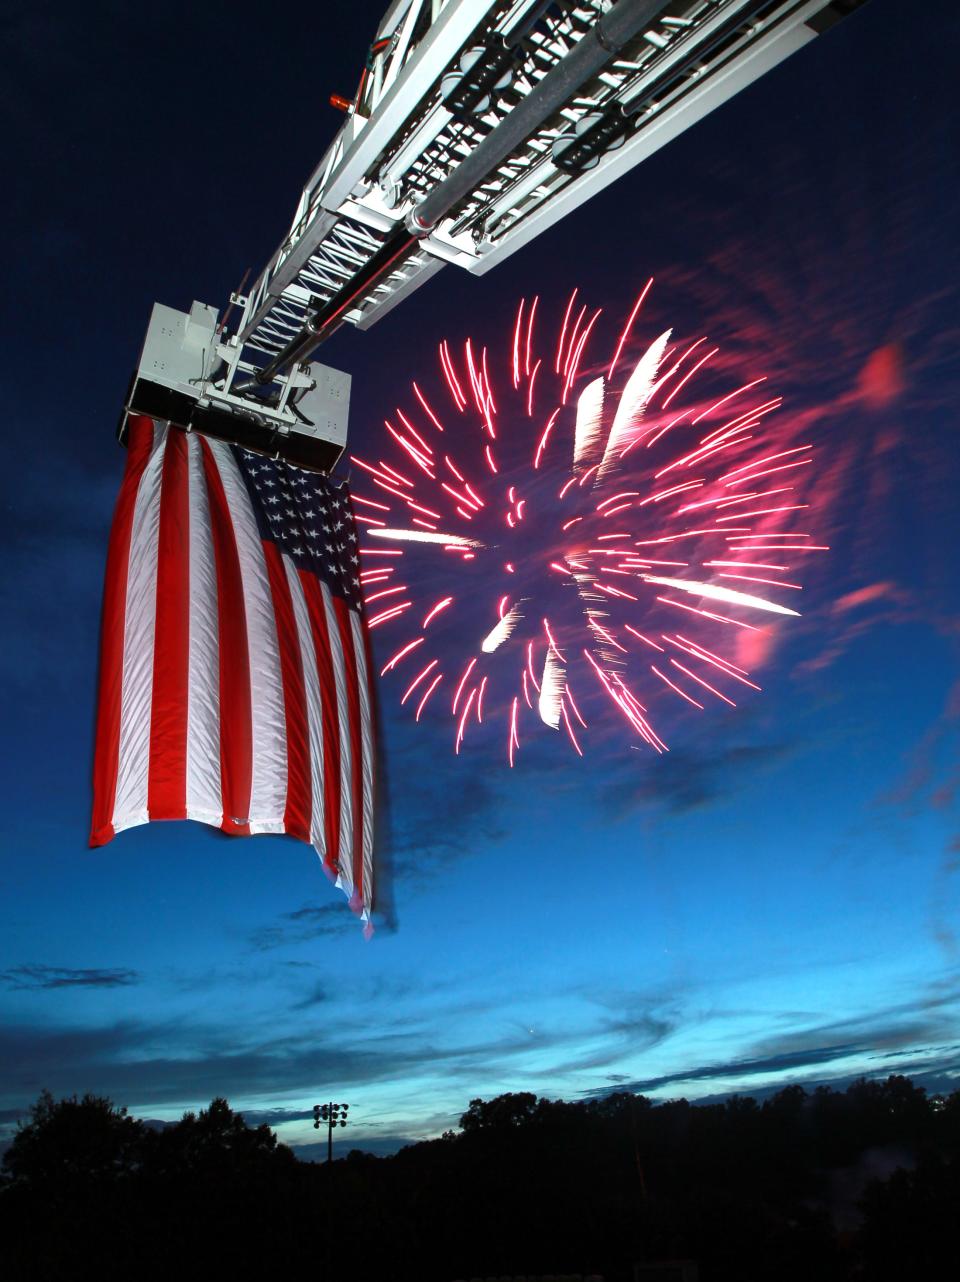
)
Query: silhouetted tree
[
  {"x": 911, "y": 1225},
  {"x": 71, "y": 1143},
  {"x": 70, "y": 1188},
  {"x": 505, "y": 1110}
]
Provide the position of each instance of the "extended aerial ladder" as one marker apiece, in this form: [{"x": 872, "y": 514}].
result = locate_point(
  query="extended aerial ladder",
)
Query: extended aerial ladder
[{"x": 477, "y": 124}]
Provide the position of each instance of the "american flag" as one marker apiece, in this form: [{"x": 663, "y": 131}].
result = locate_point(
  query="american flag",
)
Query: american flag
[{"x": 235, "y": 672}]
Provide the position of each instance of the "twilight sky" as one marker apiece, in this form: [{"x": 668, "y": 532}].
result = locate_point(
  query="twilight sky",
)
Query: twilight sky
[{"x": 775, "y": 900}]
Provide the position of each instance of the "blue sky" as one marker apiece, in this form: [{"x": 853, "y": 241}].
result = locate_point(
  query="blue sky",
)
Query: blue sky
[{"x": 775, "y": 901}]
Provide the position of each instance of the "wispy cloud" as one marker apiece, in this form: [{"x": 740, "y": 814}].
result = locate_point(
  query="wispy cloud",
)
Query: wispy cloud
[
  {"x": 303, "y": 925},
  {"x": 918, "y": 1033},
  {"x": 740, "y": 1068},
  {"x": 382, "y": 1146},
  {"x": 689, "y": 780},
  {"x": 182, "y": 1064},
  {"x": 34, "y": 976},
  {"x": 315, "y": 996},
  {"x": 276, "y": 1116},
  {"x": 437, "y": 811}
]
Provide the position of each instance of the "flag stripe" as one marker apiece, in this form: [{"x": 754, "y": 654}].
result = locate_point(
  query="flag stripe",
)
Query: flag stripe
[
  {"x": 268, "y": 788},
  {"x": 296, "y": 818},
  {"x": 109, "y": 696},
  {"x": 235, "y": 715},
  {"x": 166, "y": 795},
  {"x": 365, "y": 689},
  {"x": 203, "y": 707},
  {"x": 331, "y": 733},
  {"x": 140, "y": 612},
  {"x": 314, "y": 705},
  {"x": 355, "y": 852},
  {"x": 344, "y": 849}
]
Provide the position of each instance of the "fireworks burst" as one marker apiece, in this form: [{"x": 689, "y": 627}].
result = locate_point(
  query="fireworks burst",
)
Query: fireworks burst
[{"x": 547, "y": 550}]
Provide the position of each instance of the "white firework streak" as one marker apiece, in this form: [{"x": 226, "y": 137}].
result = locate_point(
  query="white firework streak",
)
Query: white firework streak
[
  {"x": 589, "y": 416},
  {"x": 636, "y": 395},
  {"x": 425, "y": 536},
  {"x": 552, "y": 686},
  {"x": 716, "y": 593},
  {"x": 503, "y": 630}
]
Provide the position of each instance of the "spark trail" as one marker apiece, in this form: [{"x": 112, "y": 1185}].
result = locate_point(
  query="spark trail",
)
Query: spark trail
[{"x": 539, "y": 547}]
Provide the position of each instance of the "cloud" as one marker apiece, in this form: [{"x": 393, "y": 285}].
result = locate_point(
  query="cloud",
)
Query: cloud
[
  {"x": 868, "y": 372},
  {"x": 182, "y": 1065},
  {"x": 868, "y": 594},
  {"x": 756, "y": 648},
  {"x": 853, "y": 615},
  {"x": 303, "y": 925},
  {"x": 382, "y": 1146},
  {"x": 36, "y": 976},
  {"x": 686, "y": 780},
  {"x": 436, "y": 810},
  {"x": 316, "y": 996},
  {"x": 930, "y": 776},
  {"x": 275, "y": 1117},
  {"x": 740, "y": 1068},
  {"x": 179, "y": 1064},
  {"x": 918, "y": 1032},
  {"x": 882, "y": 381}
]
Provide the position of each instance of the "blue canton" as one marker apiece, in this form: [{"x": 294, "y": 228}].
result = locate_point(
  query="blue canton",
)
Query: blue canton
[{"x": 309, "y": 517}]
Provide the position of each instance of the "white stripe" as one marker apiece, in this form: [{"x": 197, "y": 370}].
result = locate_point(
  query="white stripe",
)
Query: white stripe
[
  {"x": 204, "y": 799},
  {"x": 367, "y": 747},
  {"x": 268, "y": 790},
  {"x": 345, "y": 853},
  {"x": 139, "y": 626},
  {"x": 311, "y": 685}
]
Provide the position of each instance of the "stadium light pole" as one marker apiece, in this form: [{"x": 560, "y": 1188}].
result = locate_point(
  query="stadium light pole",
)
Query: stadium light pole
[{"x": 333, "y": 1115}]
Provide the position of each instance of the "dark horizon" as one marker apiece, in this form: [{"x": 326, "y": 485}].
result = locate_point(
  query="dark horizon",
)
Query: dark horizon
[
  {"x": 772, "y": 902},
  {"x": 858, "y": 1184}
]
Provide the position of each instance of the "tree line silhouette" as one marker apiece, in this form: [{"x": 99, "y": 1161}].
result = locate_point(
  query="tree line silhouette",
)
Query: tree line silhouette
[{"x": 830, "y": 1185}]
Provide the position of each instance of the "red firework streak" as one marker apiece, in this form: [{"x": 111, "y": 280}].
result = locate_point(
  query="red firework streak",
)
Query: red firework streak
[{"x": 598, "y": 523}]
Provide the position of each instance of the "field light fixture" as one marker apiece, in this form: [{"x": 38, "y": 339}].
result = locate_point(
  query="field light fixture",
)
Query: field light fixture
[{"x": 333, "y": 1115}]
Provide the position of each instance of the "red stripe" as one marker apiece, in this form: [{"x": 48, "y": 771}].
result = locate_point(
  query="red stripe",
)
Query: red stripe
[
  {"x": 107, "y": 743},
  {"x": 296, "y": 819},
  {"x": 342, "y": 611},
  {"x": 235, "y": 714},
  {"x": 167, "y": 787},
  {"x": 331, "y": 738}
]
